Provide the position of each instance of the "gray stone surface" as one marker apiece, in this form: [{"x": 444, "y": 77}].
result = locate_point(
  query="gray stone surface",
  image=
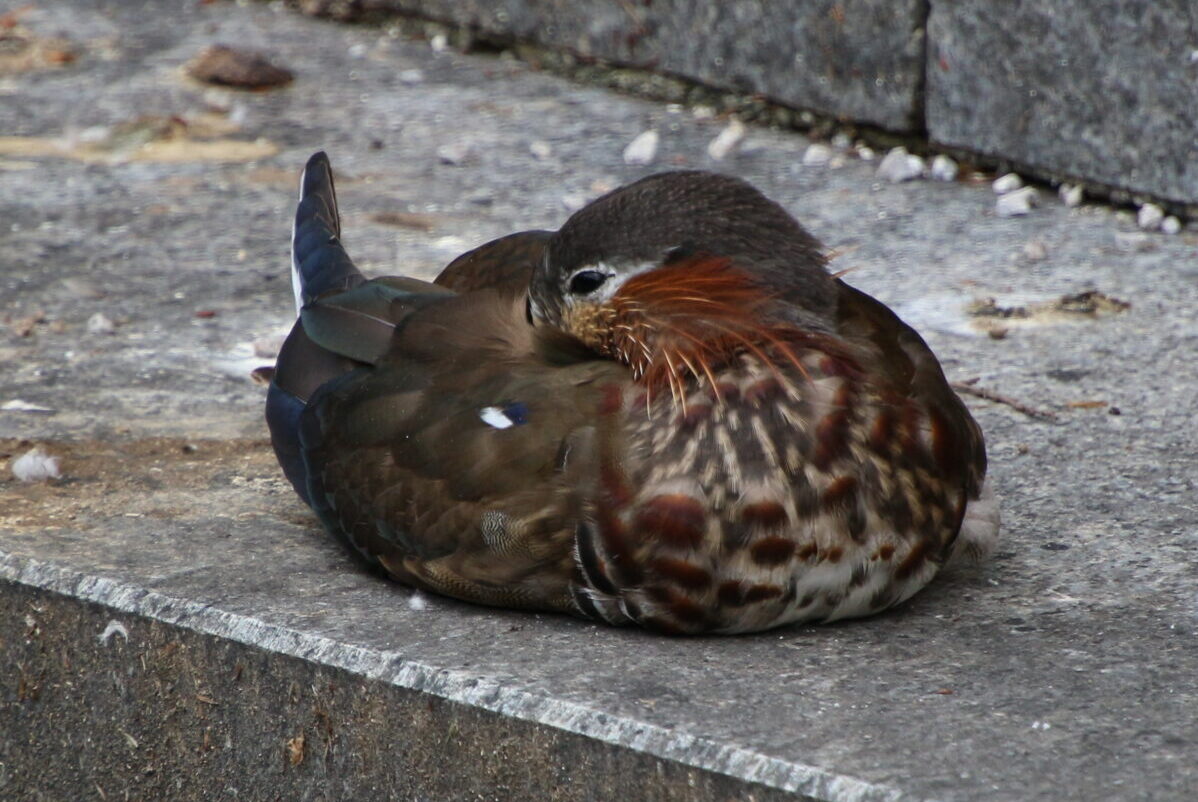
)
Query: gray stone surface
[
  {"x": 855, "y": 59},
  {"x": 202, "y": 718},
  {"x": 1103, "y": 93},
  {"x": 1061, "y": 670},
  {"x": 1103, "y": 90}
]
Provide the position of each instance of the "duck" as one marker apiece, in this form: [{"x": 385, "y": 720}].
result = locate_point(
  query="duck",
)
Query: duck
[{"x": 667, "y": 413}]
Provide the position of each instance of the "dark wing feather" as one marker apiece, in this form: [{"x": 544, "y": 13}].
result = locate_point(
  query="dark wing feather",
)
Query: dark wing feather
[{"x": 417, "y": 473}]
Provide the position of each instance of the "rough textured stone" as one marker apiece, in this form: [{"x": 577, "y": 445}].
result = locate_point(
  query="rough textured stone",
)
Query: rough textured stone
[
  {"x": 188, "y": 716},
  {"x": 1105, "y": 90},
  {"x": 1061, "y": 670},
  {"x": 856, "y": 59}
]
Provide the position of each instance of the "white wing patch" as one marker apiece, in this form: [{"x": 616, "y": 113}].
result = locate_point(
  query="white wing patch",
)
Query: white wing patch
[{"x": 494, "y": 416}]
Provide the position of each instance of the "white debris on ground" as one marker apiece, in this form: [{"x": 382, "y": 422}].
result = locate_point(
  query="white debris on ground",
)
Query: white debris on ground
[
  {"x": 899, "y": 165},
  {"x": 17, "y": 405},
  {"x": 35, "y": 465},
  {"x": 1150, "y": 217},
  {"x": 1016, "y": 203},
  {"x": 865, "y": 153},
  {"x": 727, "y": 140},
  {"x": 417, "y": 602},
  {"x": 238, "y": 362},
  {"x": 573, "y": 201},
  {"x": 455, "y": 153},
  {"x": 100, "y": 323},
  {"x": 411, "y": 77},
  {"x": 114, "y": 628},
  {"x": 1035, "y": 251},
  {"x": 439, "y": 43},
  {"x": 817, "y": 155},
  {"x": 943, "y": 168},
  {"x": 642, "y": 149},
  {"x": 540, "y": 149},
  {"x": 1071, "y": 195},
  {"x": 1171, "y": 225},
  {"x": 1007, "y": 183}
]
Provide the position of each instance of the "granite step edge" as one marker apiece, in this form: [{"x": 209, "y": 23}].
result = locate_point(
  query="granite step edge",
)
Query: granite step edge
[{"x": 454, "y": 685}]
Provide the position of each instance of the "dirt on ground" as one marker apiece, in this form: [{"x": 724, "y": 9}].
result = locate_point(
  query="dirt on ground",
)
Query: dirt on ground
[{"x": 157, "y": 477}]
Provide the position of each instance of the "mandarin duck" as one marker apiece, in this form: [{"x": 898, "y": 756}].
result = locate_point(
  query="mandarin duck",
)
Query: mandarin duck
[{"x": 667, "y": 413}]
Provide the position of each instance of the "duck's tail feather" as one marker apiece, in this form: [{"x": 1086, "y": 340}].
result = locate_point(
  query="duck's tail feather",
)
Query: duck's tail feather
[
  {"x": 319, "y": 265},
  {"x": 318, "y": 261}
]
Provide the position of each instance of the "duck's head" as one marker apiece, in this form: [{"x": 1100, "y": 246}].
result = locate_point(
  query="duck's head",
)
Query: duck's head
[{"x": 678, "y": 267}]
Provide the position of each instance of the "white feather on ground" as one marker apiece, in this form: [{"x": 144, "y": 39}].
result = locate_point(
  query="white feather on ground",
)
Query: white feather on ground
[
  {"x": 417, "y": 601},
  {"x": 35, "y": 465},
  {"x": 979, "y": 529}
]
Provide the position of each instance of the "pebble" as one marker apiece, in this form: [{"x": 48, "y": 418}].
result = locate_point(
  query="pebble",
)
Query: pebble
[
  {"x": 439, "y": 43},
  {"x": 540, "y": 149},
  {"x": 817, "y": 155},
  {"x": 842, "y": 141},
  {"x": 1134, "y": 242},
  {"x": 450, "y": 244},
  {"x": 83, "y": 288},
  {"x": 573, "y": 201},
  {"x": 481, "y": 197},
  {"x": 1171, "y": 225},
  {"x": 642, "y": 149},
  {"x": 411, "y": 77},
  {"x": 865, "y": 153},
  {"x": 455, "y": 153},
  {"x": 1150, "y": 217},
  {"x": 1035, "y": 251},
  {"x": 703, "y": 113},
  {"x": 898, "y": 165},
  {"x": 943, "y": 168},
  {"x": 236, "y": 68},
  {"x": 35, "y": 465},
  {"x": 1071, "y": 195},
  {"x": 727, "y": 140},
  {"x": 1007, "y": 183},
  {"x": 1017, "y": 202},
  {"x": 100, "y": 323},
  {"x": 18, "y": 405}
]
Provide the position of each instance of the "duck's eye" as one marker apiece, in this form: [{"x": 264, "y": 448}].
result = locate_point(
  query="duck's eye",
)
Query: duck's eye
[{"x": 584, "y": 282}]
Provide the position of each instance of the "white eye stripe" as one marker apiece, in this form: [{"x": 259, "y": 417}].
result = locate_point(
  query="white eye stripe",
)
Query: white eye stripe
[{"x": 616, "y": 276}]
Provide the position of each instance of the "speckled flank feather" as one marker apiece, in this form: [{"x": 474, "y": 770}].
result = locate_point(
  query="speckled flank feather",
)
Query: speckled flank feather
[{"x": 780, "y": 500}]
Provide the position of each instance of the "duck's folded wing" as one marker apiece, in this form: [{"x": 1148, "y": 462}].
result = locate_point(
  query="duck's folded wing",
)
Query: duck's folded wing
[{"x": 456, "y": 459}]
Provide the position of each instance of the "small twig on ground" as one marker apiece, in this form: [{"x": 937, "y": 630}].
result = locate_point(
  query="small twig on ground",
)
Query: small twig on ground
[{"x": 969, "y": 387}]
